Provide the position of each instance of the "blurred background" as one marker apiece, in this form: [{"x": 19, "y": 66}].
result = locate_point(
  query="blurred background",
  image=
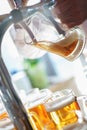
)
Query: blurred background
[{"x": 49, "y": 71}]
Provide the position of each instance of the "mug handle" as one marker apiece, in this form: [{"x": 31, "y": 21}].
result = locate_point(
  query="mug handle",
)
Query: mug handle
[
  {"x": 56, "y": 120},
  {"x": 33, "y": 116},
  {"x": 82, "y": 103}
]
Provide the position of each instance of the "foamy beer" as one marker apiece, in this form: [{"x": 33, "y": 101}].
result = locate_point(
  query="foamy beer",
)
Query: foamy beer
[
  {"x": 69, "y": 46},
  {"x": 38, "y": 116},
  {"x": 62, "y": 108}
]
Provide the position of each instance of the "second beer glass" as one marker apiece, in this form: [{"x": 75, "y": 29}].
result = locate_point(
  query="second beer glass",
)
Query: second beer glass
[
  {"x": 62, "y": 108},
  {"x": 38, "y": 116}
]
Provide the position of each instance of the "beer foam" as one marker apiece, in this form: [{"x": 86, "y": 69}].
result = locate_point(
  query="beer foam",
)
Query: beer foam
[
  {"x": 59, "y": 103},
  {"x": 68, "y": 38},
  {"x": 63, "y": 92},
  {"x": 40, "y": 99}
]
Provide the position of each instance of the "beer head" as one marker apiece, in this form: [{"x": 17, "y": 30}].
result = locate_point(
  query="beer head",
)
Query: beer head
[
  {"x": 38, "y": 98},
  {"x": 60, "y": 99}
]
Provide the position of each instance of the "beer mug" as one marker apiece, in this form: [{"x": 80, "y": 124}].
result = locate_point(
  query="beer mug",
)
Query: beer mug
[
  {"x": 81, "y": 124},
  {"x": 62, "y": 108},
  {"x": 38, "y": 117},
  {"x": 41, "y": 32},
  {"x": 5, "y": 122}
]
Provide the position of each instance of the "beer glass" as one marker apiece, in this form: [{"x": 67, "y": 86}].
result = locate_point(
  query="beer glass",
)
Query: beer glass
[
  {"x": 38, "y": 116},
  {"x": 62, "y": 108},
  {"x": 5, "y": 122},
  {"x": 81, "y": 124},
  {"x": 43, "y": 32}
]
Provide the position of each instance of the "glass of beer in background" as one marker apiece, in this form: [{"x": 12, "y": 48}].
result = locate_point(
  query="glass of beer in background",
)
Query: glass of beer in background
[
  {"x": 5, "y": 122},
  {"x": 82, "y": 115},
  {"x": 38, "y": 116},
  {"x": 62, "y": 108}
]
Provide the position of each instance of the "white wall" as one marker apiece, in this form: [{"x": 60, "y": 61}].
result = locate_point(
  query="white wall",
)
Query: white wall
[{"x": 4, "y": 7}]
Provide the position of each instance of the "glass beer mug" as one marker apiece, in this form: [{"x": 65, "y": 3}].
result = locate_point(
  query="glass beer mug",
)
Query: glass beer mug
[
  {"x": 41, "y": 32},
  {"x": 5, "y": 122},
  {"x": 62, "y": 108},
  {"x": 37, "y": 114},
  {"x": 81, "y": 124}
]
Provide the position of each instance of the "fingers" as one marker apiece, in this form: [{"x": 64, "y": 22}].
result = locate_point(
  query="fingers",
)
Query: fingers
[{"x": 71, "y": 12}]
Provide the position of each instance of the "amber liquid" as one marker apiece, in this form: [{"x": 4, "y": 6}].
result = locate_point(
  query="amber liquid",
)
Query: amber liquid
[
  {"x": 3, "y": 115},
  {"x": 69, "y": 46},
  {"x": 56, "y": 48},
  {"x": 65, "y": 115},
  {"x": 5, "y": 118},
  {"x": 42, "y": 120}
]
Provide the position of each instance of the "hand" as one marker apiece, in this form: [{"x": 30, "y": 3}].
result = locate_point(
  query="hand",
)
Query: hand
[{"x": 71, "y": 12}]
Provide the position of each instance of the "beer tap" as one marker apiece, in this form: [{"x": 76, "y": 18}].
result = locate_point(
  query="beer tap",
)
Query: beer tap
[{"x": 9, "y": 96}]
